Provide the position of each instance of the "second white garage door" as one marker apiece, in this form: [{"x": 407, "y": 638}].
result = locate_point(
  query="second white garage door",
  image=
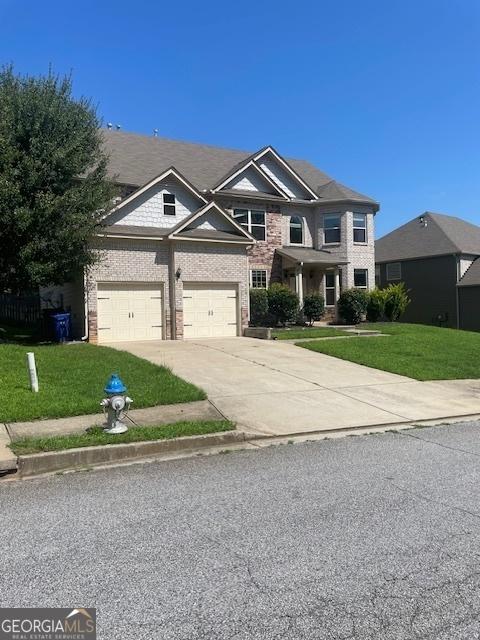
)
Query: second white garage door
[
  {"x": 209, "y": 311},
  {"x": 129, "y": 311}
]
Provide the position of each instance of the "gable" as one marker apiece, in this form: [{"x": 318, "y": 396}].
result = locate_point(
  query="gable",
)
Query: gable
[
  {"x": 147, "y": 210},
  {"x": 211, "y": 223},
  {"x": 251, "y": 180},
  {"x": 282, "y": 177},
  {"x": 211, "y": 220}
]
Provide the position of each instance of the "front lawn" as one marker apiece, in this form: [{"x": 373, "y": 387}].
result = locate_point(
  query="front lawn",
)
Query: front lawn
[
  {"x": 307, "y": 332},
  {"x": 97, "y": 436},
  {"x": 72, "y": 378},
  {"x": 416, "y": 351}
]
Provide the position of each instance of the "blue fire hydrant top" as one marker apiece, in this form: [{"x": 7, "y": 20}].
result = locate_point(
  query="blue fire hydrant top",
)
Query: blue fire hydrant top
[{"x": 115, "y": 385}]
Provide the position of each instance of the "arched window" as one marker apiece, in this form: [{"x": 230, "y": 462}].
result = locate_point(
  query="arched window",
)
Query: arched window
[{"x": 296, "y": 230}]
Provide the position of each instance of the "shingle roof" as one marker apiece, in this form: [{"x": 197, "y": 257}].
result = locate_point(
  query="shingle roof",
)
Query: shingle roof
[
  {"x": 334, "y": 190},
  {"x": 471, "y": 276},
  {"x": 135, "y": 159},
  {"x": 442, "y": 235},
  {"x": 310, "y": 256}
]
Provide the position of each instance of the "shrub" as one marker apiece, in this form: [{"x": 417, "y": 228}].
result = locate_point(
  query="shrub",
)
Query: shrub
[
  {"x": 258, "y": 307},
  {"x": 282, "y": 304},
  {"x": 376, "y": 305},
  {"x": 313, "y": 307},
  {"x": 396, "y": 301},
  {"x": 352, "y": 305}
]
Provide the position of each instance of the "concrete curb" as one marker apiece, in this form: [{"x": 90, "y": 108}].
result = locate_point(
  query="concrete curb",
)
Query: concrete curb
[{"x": 52, "y": 461}]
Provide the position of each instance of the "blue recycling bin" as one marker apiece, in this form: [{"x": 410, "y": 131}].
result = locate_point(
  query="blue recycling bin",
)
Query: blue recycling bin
[{"x": 62, "y": 327}]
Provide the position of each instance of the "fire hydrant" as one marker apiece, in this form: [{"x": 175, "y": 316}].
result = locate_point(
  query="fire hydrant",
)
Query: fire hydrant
[{"x": 116, "y": 406}]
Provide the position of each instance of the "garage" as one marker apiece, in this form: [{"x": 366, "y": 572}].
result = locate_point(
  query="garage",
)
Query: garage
[
  {"x": 129, "y": 311},
  {"x": 210, "y": 310}
]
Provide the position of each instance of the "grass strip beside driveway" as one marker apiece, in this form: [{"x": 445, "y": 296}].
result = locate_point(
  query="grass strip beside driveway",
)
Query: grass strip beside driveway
[
  {"x": 307, "y": 332},
  {"x": 417, "y": 351},
  {"x": 72, "y": 378},
  {"x": 97, "y": 436}
]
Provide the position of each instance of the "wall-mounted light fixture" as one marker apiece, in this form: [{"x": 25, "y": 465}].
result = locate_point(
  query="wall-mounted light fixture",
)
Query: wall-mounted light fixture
[{"x": 178, "y": 273}]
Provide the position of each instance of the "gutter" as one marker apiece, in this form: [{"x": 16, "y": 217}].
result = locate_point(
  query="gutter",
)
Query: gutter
[{"x": 85, "y": 312}]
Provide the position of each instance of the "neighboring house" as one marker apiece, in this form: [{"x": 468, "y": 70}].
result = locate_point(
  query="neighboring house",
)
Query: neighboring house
[
  {"x": 436, "y": 257},
  {"x": 197, "y": 226}
]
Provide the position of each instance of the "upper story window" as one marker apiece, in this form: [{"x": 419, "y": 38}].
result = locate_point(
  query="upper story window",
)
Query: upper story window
[
  {"x": 169, "y": 204},
  {"x": 296, "y": 230},
  {"x": 331, "y": 228},
  {"x": 394, "y": 271},
  {"x": 360, "y": 227},
  {"x": 253, "y": 220}
]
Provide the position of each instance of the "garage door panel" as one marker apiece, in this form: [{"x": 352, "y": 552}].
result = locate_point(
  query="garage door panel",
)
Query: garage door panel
[
  {"x": 129, "y": 311},
  {"x": 209, "y": 310}
]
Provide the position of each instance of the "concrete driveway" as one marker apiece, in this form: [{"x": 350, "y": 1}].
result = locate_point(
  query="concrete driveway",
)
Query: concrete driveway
[{"x": 278, "y": 388}]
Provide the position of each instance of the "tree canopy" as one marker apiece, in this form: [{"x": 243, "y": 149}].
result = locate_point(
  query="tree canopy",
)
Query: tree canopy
[{"x": 54, "y": 187}]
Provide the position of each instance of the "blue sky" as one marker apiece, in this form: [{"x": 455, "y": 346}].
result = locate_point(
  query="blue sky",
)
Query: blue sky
[{"x": 383, "y": 96}]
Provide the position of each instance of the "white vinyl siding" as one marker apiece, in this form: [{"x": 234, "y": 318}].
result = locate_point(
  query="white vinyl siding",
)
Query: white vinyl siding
[{"x": 282, "y": 178}]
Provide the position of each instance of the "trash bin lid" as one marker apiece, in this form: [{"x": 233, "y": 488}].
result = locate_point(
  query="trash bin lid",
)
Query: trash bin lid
[{"x": 115, "y": 385}]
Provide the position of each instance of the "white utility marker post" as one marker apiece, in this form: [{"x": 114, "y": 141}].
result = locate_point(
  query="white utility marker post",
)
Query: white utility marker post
[{"x": 32, "y": 370}]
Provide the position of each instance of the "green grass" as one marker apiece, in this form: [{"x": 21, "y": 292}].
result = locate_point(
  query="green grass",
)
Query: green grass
[
  {"x": 416, "y": 351},
  {"x": 72, "y": 378},
  {"x": 96, "y": 436},
  {"x": 307, "y": 332}
]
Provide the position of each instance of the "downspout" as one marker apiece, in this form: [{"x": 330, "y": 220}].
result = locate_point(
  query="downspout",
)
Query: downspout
[
  {"x": 85, "y": 299},
  {"x": 173, "y": 304}
]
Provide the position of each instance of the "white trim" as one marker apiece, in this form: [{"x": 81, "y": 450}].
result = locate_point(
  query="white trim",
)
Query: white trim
[
  {"x": 251, "y": 278},
  {"x": 187, "y": 239},
  {"x": 288, "y": 168},
  {"x": 152, "y": 183},
  {"x": 201, "y": 211},
  {"x": 249, "y": 220},
  {"x": 260, "y": 171}
]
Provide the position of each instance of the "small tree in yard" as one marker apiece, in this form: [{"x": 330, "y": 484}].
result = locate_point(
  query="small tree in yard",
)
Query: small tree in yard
[
  {"x": 53, "y": 181},
  {"x": 313, "y": 307},
  {"x": 352, "y": 305},
  {"x": 258, "y": 307},
  {"x": 396, "y": 301},
  {"x": 282, "y": 304}
]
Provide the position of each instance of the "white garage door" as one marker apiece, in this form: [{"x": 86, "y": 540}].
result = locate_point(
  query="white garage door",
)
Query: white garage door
[
  {"x": 209, "y": 311},
  {"x": 129, "y": 311}
]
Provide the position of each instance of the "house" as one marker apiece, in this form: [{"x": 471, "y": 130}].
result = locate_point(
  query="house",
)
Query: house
[
  {"x": 436, "y": 256},
  {"x": 198, "y": 225}
]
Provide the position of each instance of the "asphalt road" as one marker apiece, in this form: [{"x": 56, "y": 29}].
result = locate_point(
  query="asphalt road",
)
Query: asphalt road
[{"x": 361, "y": 538}]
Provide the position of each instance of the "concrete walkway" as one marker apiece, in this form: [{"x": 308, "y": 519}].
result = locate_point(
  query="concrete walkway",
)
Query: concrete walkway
[{"x": 279, "y": 389}]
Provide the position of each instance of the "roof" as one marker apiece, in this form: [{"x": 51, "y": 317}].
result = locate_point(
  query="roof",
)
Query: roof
[
  {"x": 442, "y": 235},
  {"x": 310, "y": 256},
  {"x": 136, "y": 159},
  {"x": 132, "y": 230},
  {"x": 471, "y": 277},
  {"x": 212, "y": 234},
  {"x": 334, "y": 190}
]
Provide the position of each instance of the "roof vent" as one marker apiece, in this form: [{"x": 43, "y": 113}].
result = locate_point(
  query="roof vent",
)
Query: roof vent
[
  {"x": 118, "y": 127},
  {"x": 155, "y": 133},
  {"x": 423, "y": 221},
  {"x": 109, "y": 125}
]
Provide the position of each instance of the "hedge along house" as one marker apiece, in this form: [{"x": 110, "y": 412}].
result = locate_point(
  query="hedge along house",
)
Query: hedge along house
[
  {"x": 436, "y": 256},
  {"x": 197, "y": 226}
]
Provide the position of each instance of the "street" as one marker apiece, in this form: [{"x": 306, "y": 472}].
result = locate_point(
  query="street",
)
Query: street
[{"x": 362, "y": 537}]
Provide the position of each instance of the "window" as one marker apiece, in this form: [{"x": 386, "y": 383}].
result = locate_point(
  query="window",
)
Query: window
[
  {"x": 296, "y": 230},
  {"x": 394, "y": 271},
  {"x": 360, "y": 278},
  {"x": 359, "y": 227},
  {"x": 169, "y": 204},
  {"x": 331, "y": 228},
  {"x": 258, "y": 278},
  {"x": 253, "y": 220},
  {"x": 330, "y": 289}
]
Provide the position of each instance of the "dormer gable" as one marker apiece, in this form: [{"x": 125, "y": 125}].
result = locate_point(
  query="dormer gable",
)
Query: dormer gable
[
  {"x": 249, "y": 177},
  {"x": 282, "y": 174},
  {"x": 211, "y": 223}
]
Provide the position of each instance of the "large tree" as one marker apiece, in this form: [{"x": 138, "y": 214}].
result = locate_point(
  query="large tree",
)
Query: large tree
[{"x": 54, "y": 187}]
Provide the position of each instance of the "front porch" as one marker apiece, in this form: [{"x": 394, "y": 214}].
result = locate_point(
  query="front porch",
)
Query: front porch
[{"x": 307, "y": 271}]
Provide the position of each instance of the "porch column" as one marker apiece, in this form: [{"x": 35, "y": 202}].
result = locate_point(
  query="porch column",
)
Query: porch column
[
  {"x": 299, "y": 282},
  {"x": 337, "y": 284}
]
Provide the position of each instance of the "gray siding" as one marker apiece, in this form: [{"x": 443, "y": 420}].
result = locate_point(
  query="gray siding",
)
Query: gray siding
[
  {"x": 432, "y": 289},
  {"x": 469, "y": 304}
]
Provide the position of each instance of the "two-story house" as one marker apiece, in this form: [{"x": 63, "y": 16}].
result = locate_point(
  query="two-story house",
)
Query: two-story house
[{"x": 198, "y": 225}]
